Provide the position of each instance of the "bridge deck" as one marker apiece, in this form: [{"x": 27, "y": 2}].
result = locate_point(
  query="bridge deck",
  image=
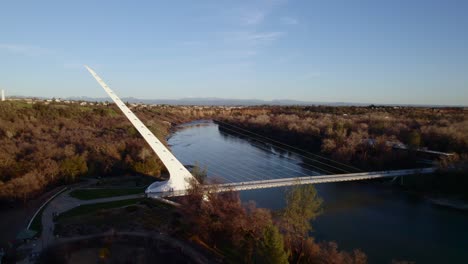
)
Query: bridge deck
[
  {"x": 251, "y": 185},
  {"x": 263, "y": 184}
]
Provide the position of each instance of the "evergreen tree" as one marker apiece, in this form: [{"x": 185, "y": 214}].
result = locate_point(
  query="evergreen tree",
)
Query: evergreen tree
[{"x": 271, "y": 248}]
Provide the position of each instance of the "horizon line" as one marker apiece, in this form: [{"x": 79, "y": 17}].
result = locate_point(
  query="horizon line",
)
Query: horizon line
[{"x": 299, "y": 102}]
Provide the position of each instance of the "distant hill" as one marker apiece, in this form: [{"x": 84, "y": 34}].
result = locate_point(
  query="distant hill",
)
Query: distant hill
[
  {"x": 217, "y": 101},
  {"x": 214, "y": 101}
]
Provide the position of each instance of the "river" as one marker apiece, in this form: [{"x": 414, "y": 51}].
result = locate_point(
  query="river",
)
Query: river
[{"x": 383, "y": 221}]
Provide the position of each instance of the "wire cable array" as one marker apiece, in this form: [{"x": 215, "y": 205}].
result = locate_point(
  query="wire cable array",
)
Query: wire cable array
[{"x": 259, "y": 159}]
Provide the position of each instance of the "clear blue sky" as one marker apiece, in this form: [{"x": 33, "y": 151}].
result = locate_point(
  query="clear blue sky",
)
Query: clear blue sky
[{"x": 353, "y": 51}]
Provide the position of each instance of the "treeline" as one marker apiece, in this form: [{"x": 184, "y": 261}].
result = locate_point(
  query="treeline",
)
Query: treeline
[
  {"x": 247, "y": 234},
  {"x": 43, "y": 145},
  {"x": 362, "y": 136}
]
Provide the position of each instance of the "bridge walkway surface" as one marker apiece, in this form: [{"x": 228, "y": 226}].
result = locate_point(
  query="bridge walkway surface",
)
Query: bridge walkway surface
[{"x": 263, "y": 184}]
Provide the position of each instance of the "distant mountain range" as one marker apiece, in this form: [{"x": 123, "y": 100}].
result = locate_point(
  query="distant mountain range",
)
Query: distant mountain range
[
  {"x": 244, "y": 102},
  {"x": 214, "y": 101}
]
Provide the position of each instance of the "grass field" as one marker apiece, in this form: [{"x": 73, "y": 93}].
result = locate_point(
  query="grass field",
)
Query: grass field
[
  {"x": 91, "y": 194},
  {"x": 139, "y": 215},
  {"x": 91, "y": 208}
]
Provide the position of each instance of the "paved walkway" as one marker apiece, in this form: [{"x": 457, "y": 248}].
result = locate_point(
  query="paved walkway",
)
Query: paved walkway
[{"x": 62, "y": 203}]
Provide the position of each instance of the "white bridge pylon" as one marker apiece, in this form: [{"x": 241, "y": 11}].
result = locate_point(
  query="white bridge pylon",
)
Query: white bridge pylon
[{"x": 179, "y": 176}]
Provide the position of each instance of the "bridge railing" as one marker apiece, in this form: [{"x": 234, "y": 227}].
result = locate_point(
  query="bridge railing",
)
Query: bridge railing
[
  {"x": 298, "y": 180},
  {"x": 348, "y": 175}
]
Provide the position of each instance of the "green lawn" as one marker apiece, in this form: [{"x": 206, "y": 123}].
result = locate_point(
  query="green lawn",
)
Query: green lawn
[
  {"x": 22, "y": 104},
  {"x": 91, "y": 208},
  {"x": 91, "y": 194}
]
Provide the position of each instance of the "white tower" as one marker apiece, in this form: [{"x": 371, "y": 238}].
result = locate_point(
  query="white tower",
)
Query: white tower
[
  {"x": 3, "y": 95},
  {"x": 179, "y": 176}
]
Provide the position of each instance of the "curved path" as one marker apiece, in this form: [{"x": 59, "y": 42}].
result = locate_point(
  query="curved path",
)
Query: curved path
[{"x": 62, "y": 203}]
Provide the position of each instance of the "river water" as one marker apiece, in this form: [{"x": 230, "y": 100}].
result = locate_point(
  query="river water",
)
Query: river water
[{"x": 383, "y": 221}]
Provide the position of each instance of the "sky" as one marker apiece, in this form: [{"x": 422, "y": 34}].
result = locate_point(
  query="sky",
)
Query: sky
[{"x": 388, "y": 52}]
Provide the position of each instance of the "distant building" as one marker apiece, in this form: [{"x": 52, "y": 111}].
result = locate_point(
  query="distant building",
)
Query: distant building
[{"x": 3, "y": 95}]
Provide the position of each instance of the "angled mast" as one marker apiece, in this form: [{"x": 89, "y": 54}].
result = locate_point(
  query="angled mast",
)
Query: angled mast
[{"x": 179, "y": 175}]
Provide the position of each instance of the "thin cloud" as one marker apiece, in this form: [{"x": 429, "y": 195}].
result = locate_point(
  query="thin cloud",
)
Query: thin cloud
[
  {"x": 264, "y": 37},
  {"x": 241, "y": 54},
  {"x": 289, "y": 20},
  {"x": 24, "y": 49},
  {"x": 253, "y": 38},
  {"x": 249, "y": 44},
  {"x": 258, "y": 11},
  {"x": 253, "y": 18}
]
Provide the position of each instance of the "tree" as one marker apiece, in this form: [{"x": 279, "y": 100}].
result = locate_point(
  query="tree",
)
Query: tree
[
  {"x": 220, "y": 221},
  {"x": 148, "y": 167},
  {"x": 302, "y": 206},
  {"x": 270, "y": 249},
  {"x": 414, "y": 139},
  {"x": 72, "y": 167}
]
